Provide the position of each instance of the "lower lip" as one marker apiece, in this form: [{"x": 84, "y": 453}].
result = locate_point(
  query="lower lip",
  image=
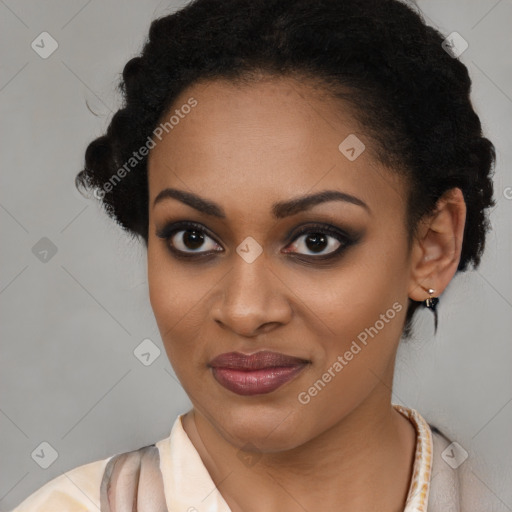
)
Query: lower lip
[{"x": 255, "y": 382}]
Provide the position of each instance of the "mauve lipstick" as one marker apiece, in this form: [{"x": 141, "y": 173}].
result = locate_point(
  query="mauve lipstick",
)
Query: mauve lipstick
[{"x": 257, "y": 373}]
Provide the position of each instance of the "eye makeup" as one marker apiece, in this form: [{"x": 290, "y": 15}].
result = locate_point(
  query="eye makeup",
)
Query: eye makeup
[{"x": 314, "y": 231}]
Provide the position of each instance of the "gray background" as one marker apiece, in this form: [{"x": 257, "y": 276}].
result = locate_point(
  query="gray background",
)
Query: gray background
[{"x": 69, "y": 325}]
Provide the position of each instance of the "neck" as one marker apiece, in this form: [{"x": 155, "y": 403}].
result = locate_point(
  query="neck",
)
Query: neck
[{"x": 363, "y": 462}]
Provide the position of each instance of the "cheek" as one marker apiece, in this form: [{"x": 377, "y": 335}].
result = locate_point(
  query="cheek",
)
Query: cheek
[
  {"x": 172, "y": 299},
  {"x": 180, "y": 302},
  {"x": 354, "y": 298},
  {"x": 171, "y": 292},
  {"x": 359, "y": 317},
  {"x": 356, "y": 359}
]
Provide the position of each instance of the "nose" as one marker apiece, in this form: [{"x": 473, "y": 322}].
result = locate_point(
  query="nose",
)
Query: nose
[{"x": 253, "y": 299}]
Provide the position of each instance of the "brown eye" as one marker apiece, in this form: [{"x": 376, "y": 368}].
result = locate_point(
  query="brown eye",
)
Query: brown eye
[
  {"x": 188, "y": 239},
  {"x": 317, "y": 242},
  {"x": 191, "y": 239},
  {"x": 320, "y": 242},
  {"x": 314, "y": 242}
]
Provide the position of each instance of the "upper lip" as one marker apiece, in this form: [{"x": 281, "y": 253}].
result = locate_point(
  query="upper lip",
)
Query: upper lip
[{"x": 257, "y": 361}]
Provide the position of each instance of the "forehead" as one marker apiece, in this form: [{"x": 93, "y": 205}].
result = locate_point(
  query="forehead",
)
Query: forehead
[{"x": 263, "y": 142}]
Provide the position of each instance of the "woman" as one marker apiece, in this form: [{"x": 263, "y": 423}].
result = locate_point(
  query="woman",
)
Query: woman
[{"x": 304, "y": 176}]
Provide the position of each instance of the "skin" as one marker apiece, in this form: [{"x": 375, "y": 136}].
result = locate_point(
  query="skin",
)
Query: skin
[{"x": 246, "y": 147}]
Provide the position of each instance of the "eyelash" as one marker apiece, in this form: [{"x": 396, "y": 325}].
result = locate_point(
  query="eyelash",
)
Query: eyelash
[{"x": 346, "y": 240}]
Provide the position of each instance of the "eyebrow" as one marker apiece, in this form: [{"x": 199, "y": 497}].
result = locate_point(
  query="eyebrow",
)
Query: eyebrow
[{"x": 279, "y": 210}]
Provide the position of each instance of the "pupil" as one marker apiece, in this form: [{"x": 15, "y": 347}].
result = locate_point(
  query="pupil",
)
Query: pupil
[
  {"x": 318, "y": 242},
  {"x": 193, "y": 239}
]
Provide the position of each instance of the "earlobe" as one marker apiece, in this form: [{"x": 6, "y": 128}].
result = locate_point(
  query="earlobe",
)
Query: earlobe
[{"x": 437, "y": 246}]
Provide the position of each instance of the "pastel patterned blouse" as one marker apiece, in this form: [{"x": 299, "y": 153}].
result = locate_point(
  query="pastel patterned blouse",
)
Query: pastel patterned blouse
[
  {"x": 187, "y": 485},
  {"x": 417, "y": 498}
]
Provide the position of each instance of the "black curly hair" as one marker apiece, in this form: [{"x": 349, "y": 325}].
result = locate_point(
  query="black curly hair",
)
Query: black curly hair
[{"x": 379, "y": 56}]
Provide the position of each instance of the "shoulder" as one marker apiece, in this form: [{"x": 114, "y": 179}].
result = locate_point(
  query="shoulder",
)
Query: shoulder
[
  {"x": 76, "y": 490},
  {"x": 105, "y": 482},
  {"x": 450, "y": 487},
  {"x": 84, "y": 488}
]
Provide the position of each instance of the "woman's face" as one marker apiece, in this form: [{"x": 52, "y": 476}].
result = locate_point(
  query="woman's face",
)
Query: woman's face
[{"x": 334, "y": 296}]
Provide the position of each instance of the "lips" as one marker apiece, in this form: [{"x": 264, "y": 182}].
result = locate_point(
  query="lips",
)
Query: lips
[
  {"x": 257, "y": 361},
  {"x": 258, "y": 373}
]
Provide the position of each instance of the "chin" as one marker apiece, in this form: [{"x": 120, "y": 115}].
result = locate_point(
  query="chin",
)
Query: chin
[{"x": 269, "y": 428}]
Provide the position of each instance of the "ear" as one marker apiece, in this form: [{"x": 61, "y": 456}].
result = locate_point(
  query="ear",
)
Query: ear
[{"x": 436, "y": 250}]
